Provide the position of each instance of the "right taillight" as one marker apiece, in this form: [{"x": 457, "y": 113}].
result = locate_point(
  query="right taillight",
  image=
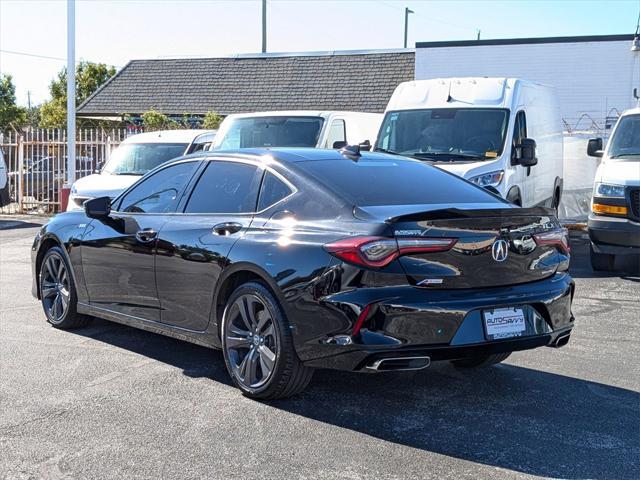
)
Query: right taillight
[
  {"x": 558, "y": 238},
  {"x": 381, "y": 251}
]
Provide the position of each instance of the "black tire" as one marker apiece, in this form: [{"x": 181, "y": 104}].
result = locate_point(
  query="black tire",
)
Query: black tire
[
  {"x": 481, "y": 361},
  {"x": 58, "y": 291},
  {"x": 601, "y": 262},
  {"x": 268, "y": 342}
]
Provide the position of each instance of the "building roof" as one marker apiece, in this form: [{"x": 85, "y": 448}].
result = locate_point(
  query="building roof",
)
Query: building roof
[
  {"x": 356, "y": 80},
  {"x": 526, "y": 41}
]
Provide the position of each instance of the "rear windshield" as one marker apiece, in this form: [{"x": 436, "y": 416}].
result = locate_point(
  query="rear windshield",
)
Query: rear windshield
[
  {"x": 277, "y": 131},
  {"x": 393, "y": 181}
]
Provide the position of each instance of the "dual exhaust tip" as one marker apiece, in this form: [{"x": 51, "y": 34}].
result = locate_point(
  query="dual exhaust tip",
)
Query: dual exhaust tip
[
  {"x": 561, "y": 340},
  {"x": 399, "y": 364}
]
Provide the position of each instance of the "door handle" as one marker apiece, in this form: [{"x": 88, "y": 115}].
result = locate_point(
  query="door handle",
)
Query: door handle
[
  {"x": 146, "y": 235},
  {"x": 227, "y": 228}
]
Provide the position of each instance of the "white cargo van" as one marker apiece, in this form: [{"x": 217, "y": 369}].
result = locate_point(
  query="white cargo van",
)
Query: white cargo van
[
  {"x": 614, "y": 221},
  {"x": 301, "y": 128},
  {"x": 504, "y": 134},
  {"x": 4, "y": 182}
]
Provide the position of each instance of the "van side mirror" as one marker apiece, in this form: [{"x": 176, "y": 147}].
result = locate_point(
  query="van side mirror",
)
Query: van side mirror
[
  {"x": 595, "y": 147},
  {"x": 98, "y": 208},
  {"x": 339, "y": 144},
  {"x": 526, "y": 152},
  {"x": 365, "y": 146}
]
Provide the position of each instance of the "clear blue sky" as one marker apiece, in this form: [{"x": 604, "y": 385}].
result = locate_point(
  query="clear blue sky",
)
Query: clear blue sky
[{"x": 115, "y": 31}]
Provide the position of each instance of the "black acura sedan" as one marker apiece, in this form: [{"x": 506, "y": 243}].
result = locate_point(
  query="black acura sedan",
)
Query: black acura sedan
[{"x": 294, "y": 259}]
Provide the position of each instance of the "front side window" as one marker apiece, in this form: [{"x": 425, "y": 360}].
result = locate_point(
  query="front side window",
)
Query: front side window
[
  {"x": 225, "y": 187},
  {"x": 625, "y": 143},
  {"x": 337, "y": 133},
  {"x": 265, "y": 132},
  {"x": 139, "y": 158},
  {"x": 160, "y": 192},
  {"x": 445, "y": 134}
]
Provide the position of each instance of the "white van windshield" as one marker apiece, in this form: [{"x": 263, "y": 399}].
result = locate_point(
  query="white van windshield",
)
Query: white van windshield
[
  {"x": 139, "y": 158},
  {"x": 445, "y": 134},
  {"x": 625, "y": 143},
  {"x": 277, "y": 131}
]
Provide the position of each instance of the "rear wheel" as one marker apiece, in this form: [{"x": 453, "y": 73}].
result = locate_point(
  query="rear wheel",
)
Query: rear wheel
[
  {"x": 481, "y": 361},
  {"x": 258, "y": 345},
  {"x": 601, "y": 262},
  {"x": 58, "y": 292}
]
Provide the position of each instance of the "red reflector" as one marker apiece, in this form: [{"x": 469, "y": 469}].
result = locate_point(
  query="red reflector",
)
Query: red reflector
[
  {"x": 381, "y": 251},
  {"x": 558, "y": 238},
  {"x": 361, "y": 318}
]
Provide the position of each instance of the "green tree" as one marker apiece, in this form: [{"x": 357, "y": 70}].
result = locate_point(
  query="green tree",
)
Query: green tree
[
  {"x": 154, "y": 120},
  {"x": 10, "y": 113},
  {"x": 89, "y": 77},
  {"x": 212, "y": 121}
]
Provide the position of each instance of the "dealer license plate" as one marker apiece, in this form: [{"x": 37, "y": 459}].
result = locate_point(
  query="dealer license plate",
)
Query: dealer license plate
[{"x": 504, "y": 323}]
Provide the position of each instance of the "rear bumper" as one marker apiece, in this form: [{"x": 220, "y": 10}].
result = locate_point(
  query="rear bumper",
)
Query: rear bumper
[
  {"x": 614, "y": 235},
  {"x": 442, "y": 325}
]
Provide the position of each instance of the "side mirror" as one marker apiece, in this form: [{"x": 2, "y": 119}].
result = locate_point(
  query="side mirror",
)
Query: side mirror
[
  {"x": 595, "y": 147},
  {"x": 526, "y": 152},
  {"x": 339, "y": 144},
  {"x": 98, "y": 208},
  {"x": 365, "y": 146}
]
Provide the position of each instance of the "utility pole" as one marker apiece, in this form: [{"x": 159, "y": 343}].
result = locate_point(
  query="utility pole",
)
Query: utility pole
[
  {"x": 29, "y": 99},
  {"x": 71, "y": 92},
  {"x": 478, "y": 31},
  {"x": 406, "y": 24},
  {"x": 264, "y": 26}
]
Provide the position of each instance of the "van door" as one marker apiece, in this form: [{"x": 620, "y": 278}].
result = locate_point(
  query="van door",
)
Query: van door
[{"x": 525, "y": 179}]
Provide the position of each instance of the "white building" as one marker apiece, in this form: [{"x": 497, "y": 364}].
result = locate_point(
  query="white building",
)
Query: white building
[{"x": 594, "y": 75}]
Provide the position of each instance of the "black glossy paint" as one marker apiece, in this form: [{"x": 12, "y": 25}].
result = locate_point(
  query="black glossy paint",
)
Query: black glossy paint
[{"x": 178, "y": 283}]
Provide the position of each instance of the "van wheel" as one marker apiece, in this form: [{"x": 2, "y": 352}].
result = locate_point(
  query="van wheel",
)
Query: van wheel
[
  {"x": 481, "y": 361},
  {"x": 601, "y": 262},
  {"x": 258, "y": 346},
  {"x": 58, "y": 292}
]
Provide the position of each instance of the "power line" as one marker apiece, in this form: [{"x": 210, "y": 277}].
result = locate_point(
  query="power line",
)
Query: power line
[{"x": 46, "y": 57}]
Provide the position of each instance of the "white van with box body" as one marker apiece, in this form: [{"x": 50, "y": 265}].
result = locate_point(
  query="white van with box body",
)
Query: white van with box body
[
  {"x": 301, "y": 128},
  {"x": 504, "y": 134},
  {"x": 614, "y": 221}
]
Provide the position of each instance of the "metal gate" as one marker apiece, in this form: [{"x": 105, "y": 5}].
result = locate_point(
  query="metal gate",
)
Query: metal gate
[{"x": 37, "y": 163}]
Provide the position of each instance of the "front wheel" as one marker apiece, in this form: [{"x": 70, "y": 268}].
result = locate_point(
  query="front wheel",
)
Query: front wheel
[
  {"x": 601, "y": 262},
  {"x": 258, "y": 346},
  {"x": 58, "y": 291},
  {"x": 481, "y": 361}
]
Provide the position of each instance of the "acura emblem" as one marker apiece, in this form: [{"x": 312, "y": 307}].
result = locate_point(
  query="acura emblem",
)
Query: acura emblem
[{"x": 500, "y": 250}]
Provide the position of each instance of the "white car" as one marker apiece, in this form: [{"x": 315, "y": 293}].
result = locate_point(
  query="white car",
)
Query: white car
[
  {"x": 4, "y": 182},
  {"x": 297, "y": 128},
  {"x": 134, "y": 157},
  {"x": 504, "y": 134},
  {"x": 614, "y": 221}
]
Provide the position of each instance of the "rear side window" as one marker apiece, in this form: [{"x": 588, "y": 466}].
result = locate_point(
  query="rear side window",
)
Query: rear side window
[
  {"x": 273, "y": 190},
  {"x": 225, "y": 187},
  {"x": 337, "y": 133},
  {"x": 159, "y": 193},
  {"x": 393, "y": 181}
]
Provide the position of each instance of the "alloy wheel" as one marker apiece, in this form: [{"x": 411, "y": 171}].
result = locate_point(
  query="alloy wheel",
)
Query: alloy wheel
[
  {"x": 55, "y": 289},
  {"x": 251, "y": 341}
]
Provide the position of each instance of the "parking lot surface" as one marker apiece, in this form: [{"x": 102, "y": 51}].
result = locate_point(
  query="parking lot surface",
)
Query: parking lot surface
[{"x": 109, "y": 401}]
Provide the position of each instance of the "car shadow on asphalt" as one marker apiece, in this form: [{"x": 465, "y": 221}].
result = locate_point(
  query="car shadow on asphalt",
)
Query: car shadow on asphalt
[
  {"x": 17, "y": 224},
  {"x": 508, "y": 417}
]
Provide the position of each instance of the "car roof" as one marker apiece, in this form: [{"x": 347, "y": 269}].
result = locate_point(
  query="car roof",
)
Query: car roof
[
  {"x": 167, "y": 136},
  {"x": 295, "y": 155}
]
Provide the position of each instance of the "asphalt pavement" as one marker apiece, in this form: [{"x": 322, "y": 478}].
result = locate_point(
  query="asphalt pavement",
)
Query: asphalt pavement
[{"x": 110, "y": 401}]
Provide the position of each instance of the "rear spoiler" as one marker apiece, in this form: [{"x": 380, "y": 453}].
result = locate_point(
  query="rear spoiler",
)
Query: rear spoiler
[{"x": 453, "y": 213}]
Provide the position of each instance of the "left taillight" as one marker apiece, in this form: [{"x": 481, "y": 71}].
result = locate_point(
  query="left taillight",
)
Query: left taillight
[
  {"x": 381, "y": 251},
  {"x": 558, "y": 238}
]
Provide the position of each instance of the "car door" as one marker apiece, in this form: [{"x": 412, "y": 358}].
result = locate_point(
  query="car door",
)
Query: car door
[
  {"x": 193, "y": 247},
  {"x": 524, "y": 176},
  {"x": 118, "y": 253}
]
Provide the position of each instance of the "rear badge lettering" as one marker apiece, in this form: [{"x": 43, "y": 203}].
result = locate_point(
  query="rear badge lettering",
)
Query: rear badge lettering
[
  {"x": 408, "y": 233},
  {"x": 430, "y": 281}
]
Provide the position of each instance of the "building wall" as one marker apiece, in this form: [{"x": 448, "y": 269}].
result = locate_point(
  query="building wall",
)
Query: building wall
[{"x": 595, "y": 78}]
